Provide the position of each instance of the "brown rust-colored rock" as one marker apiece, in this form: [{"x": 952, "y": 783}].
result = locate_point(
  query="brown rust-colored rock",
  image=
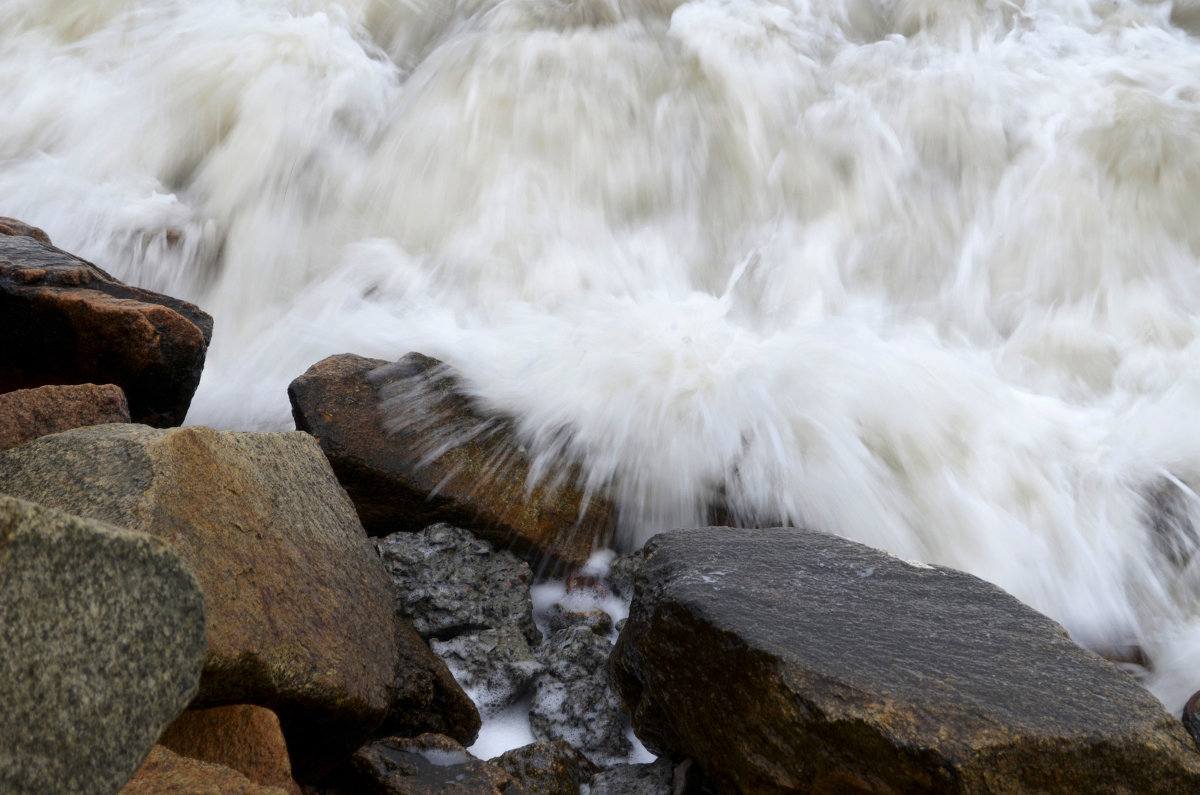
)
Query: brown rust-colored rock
[
  {"x": 27, "y": 414},
  {"x": 428, "y": 700},
  {"x": 793, "y": 661},
  {"x": 300, "y": 611},
  {"x": 442, "y": 461},
  {"x": 65, "y": 321},
  {"x": 243, "y": 737},
  {"x": 167, "y": 773},
  {"x": 425, "y": 765},
  {"x": 15, "y": 228},
  {"x": 545, "y": 768}
]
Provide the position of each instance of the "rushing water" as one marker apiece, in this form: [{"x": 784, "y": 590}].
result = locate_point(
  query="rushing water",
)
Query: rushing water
[{"x": 924, "y": 273}]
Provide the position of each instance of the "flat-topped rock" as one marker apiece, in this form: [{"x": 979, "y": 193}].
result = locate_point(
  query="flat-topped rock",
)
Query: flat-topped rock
[
  {"x": 101, "y": 645},
  {"x": 27, "y": 414},
  {"x": 301, "y": 615},
  {"x": 792, "y": 661},
  {"x": 439, "y": 460},
  {"x": 65, "y": 321}
]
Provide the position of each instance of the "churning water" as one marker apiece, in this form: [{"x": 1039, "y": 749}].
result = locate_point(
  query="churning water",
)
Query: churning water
[{"x": 924, "y": 273}]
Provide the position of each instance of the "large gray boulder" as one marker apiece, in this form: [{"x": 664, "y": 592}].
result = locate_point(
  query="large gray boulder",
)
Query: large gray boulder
[
  {"x": 301, "y": 618},
  {"x": 101, "y": 645},
  {"x": 792, "y": 661}
]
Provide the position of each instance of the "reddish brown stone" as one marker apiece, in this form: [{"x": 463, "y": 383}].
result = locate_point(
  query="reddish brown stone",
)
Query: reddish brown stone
[
  {"x": 442, "y": 461},
  {"x": 13, "y": 227},
  {"x": 65, "y": 321},
  {"x": 167, "y": 773},
  {"x": 243, "y": 737},
  {"x": 29, "y": 413}
]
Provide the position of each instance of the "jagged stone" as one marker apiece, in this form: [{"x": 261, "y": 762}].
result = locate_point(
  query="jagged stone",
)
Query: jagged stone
[
  {"x": 656, "y": 778},
  {"x": 850, "y": 670},
  {"x": 65, "y": 321},
  {"x": 425, "y": 765},
  {"x": 101, "y": 645},
  {"x": 439, "y": 459},
  {"x": 495, "y": 666},
  {"x": 545, "y": 768},
  {"x": 448, "y": 582}
]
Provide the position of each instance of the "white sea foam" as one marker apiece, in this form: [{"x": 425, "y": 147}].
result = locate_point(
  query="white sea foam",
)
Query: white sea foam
[{"x": 919, "y": 272}]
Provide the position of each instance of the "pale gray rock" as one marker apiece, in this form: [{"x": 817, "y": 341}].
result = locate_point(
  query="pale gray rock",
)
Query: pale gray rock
[
  {"x": 450, "y": 583},
  {"x": 102, "y": 639},
  {"x": 494, "y": 666},
  {"x": 572, "y": 700}
]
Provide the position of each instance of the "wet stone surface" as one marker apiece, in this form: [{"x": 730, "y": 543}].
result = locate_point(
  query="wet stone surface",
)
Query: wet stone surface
[
  {"x": 450, "y": 583},
  {"x": 494, "y": 666}
]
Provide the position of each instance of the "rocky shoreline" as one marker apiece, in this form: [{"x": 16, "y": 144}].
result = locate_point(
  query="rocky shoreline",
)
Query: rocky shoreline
[{"x": 337, "y": 609}]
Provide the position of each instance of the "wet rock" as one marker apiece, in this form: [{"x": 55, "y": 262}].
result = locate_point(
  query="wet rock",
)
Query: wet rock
[
  {"x": 573, "y": 701},
  {"x": 448, "y": 583},
  {"x": 101, "y": 644},
  {"x": 656, "y": 778},
  {"x": 621, "y": 573},
  {"x": 439, "y": 459},
  {"x": 1191, "y": 716},
  {"x": 167, "y": 772},
  {"x": 65, "y": 321},
  {"x": 420, "y": 766},
  {"x": 301, "y": 616},
  {"x": 494, "y": 665},
  {"x": 560, "y": 617},
  {"x": 850, "y": 665},
  {"x": 27, "y": 414},
  {"x": 546, "y": 768},
  {"x": 428, "y": 700},
  {"x": 13, "y": 227},
  {"x": 242, "y": 737}
]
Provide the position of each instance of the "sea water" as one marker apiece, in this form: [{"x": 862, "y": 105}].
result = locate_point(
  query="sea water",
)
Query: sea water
[{"x": 922, "y": 273}]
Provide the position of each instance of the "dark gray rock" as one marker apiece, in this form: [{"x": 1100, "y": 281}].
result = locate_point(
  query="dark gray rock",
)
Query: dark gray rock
[
  {"x": 494, "y": 666},
  {"x": 656, "y": 778},
  {"x": 621, "y": 573},
  {"x": 792, "y": 661},
  {"x": 450, "y": 583},
  {"x": 560, "y": 617},
  {"x": 101, "y": 645},
  {"x": 573, "y": 701},
  {"x": 425, "y": 765},
  {"x": 1191, "y": 716}
]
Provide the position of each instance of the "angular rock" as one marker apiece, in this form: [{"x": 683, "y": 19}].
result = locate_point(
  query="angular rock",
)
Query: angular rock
[
  {"x": 301, "y": 616},
  {"x": 621, "y": 573},
  {"x": 27, "y": 414},
  {"x": 495, "y": 666},
  {"x": 242, "y": 737},
  {"x": 425, "y": 765},
  {"x": 65, "y": 321},
  {"x": 560, "y": 617},
  {"x": 427, "y": 700},
  {"x": 850, "y": 670},
  {"x": 546, "y": 768},
  {"x": 101, "y": 644},
  {"x": 572, "y": 700},
  {"x": 1191, "y": 716},
  {"x": 447, "y": 582},
  {"x": 167, "y": 772},
  {"x": 656, "y": 778},
  {"x": 439, "y": 459}
]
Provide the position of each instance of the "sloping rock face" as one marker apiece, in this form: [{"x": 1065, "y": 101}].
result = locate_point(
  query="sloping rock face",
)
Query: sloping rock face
[
  {"x": 791, "y": 661},
  {"x": 441, "y": 460},
  {"x": 27, "y": 414},
  {"x": 428, "y": 700},
  {"x": 300, "y": 607},
  {"x": 65, "y": 321},
  {"x": 101, "y": 644},
  {"x": 166, "y": 772}
]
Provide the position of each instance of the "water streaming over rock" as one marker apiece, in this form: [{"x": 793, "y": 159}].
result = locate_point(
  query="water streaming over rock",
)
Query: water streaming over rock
[{"x": 924, "y": 273}]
